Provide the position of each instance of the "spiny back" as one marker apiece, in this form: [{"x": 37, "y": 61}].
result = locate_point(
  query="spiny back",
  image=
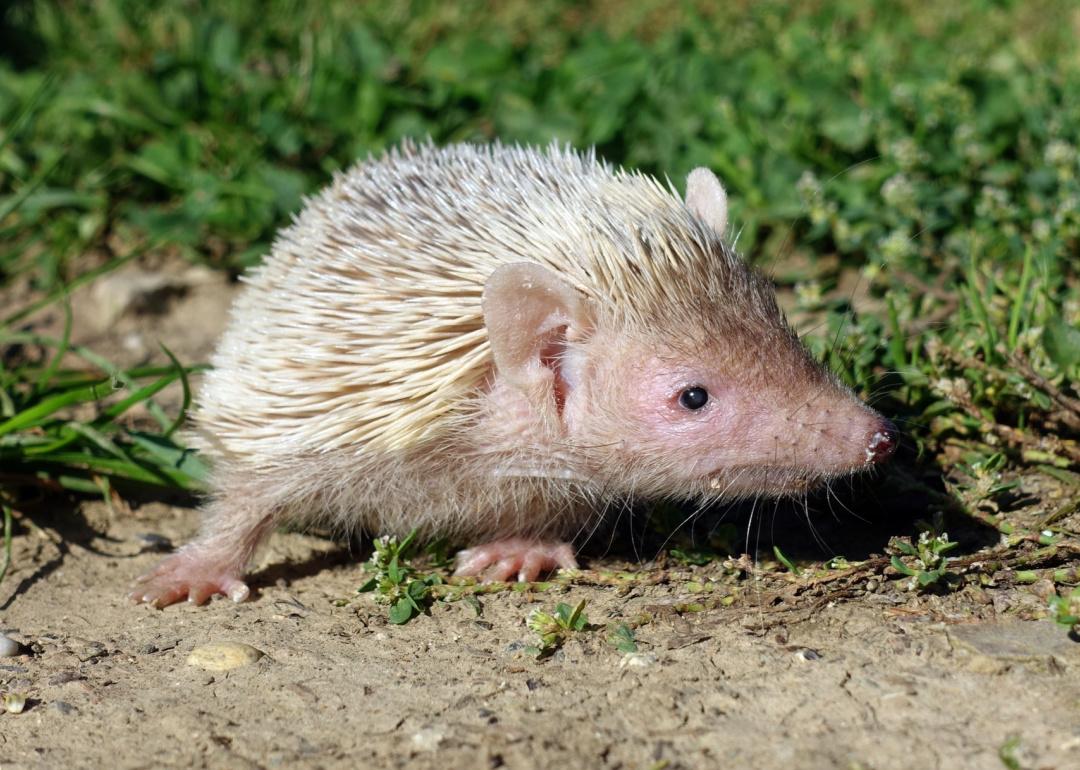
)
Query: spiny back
[{"x": 364, "y": 326}]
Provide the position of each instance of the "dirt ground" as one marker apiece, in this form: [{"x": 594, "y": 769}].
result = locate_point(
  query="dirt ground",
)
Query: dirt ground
[{"x": 761, "y": 675}]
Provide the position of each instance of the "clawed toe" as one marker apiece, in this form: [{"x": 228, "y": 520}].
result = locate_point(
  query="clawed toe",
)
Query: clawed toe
[
  {"x": 504, "y": 559},
  {"x": 183, "y": 576}
]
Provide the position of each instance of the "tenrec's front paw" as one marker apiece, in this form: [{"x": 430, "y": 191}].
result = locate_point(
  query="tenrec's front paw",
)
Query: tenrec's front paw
[{"x": 503, "y": 559}]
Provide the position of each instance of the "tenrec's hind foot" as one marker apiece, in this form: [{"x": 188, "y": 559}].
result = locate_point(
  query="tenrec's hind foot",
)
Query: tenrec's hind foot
[
  {"x": 503, "y": 559},
  {"x": 189, "y": 575}
]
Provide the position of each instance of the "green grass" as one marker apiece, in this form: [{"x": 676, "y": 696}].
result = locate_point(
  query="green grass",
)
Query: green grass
[{"x": 925, "y": 153}]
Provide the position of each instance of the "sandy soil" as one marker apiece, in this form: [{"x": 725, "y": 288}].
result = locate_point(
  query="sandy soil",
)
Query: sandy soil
[{"x": 769, "y": 671}]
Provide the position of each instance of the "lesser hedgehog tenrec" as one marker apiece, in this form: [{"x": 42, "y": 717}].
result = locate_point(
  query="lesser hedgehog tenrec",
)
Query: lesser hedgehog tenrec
[{"x": 495, "y": 344}]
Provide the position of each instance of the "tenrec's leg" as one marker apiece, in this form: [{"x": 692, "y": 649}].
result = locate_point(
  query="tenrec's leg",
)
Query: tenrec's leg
[
  {"x": 213, "y": 564},
  {"x": 521, "y": 557}
]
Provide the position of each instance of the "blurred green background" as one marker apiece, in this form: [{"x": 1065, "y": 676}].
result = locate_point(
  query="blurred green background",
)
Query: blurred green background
[
  {"x": 886, "y": 131},
  {"x": 923, "y": 152}
]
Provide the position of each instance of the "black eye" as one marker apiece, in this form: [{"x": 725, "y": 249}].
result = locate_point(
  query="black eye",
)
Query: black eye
[{"x": 694, "y": 398}]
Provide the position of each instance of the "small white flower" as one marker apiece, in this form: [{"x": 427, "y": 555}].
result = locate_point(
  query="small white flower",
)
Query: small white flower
[
  {"x": 896, "y": 245},
  {"x": 1059, "y": 153}
]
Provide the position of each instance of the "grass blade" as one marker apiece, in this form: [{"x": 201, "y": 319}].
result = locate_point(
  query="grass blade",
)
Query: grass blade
[{"x": 39, "y": 413}]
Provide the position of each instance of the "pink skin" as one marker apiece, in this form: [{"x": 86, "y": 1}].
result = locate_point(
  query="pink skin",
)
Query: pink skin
[
  {"x": 526, "y": 559},
  {"x": 808, "y": 423},
  {"x": 191, "y": 576}
]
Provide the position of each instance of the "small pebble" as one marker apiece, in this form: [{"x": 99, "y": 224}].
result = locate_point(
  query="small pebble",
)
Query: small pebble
[
  {"x": 9, "y": 648},
  {"x": 14, "y": 702},
  {"x": 90, "y": 651},
  {"x": 152, "y": 542},
  {"x": 223, "y": 656},
  {"x": 162, "y": 645},
  {"x": 65, "y": 676},
  {"x": 62, "y": 707},
  {"x": 428, "y": 739},
  {"x": 806, "y": 654},
  {"x": 638, "y": 660}
]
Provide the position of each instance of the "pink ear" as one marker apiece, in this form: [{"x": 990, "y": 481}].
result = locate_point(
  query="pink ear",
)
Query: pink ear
[
  {"x": 526, "y": 307},
  {"x": 706, "y": 198}
]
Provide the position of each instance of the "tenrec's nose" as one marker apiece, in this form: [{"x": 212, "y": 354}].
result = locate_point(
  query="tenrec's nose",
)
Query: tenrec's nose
[{"x": 883, "y": 442}]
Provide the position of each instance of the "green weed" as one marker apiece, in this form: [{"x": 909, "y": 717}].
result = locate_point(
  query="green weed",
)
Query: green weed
[
  {"x": 395, "y": 582},
  {"x": 1065, "y": 609},
  {"x": 929, "y": 568},
  {"x": 622, "y": 638},
  {"x": 788, "y": 563},
  {"x": 55, "y": 417},
  {"x": 553, "y": 629}
]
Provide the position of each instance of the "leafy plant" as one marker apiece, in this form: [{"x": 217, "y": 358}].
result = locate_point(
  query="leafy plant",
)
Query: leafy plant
[
  {"x": 983, "y": 479},
  {"x": 622, "y": 638},
  {"x": 929, "y": 569},
  {"x": 1065, "y": 609},
  {"x": 1007, "y": 753},
  {"x": 783, "y": 559},
  {"x": 397, "y": 583},
  {"x": 553, "y": 629}
]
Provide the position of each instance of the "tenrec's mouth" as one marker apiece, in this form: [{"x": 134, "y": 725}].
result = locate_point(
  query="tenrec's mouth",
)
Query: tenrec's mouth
[
  {"x": 772, "y": 479},
  {"x": 775, "y": 471}
]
